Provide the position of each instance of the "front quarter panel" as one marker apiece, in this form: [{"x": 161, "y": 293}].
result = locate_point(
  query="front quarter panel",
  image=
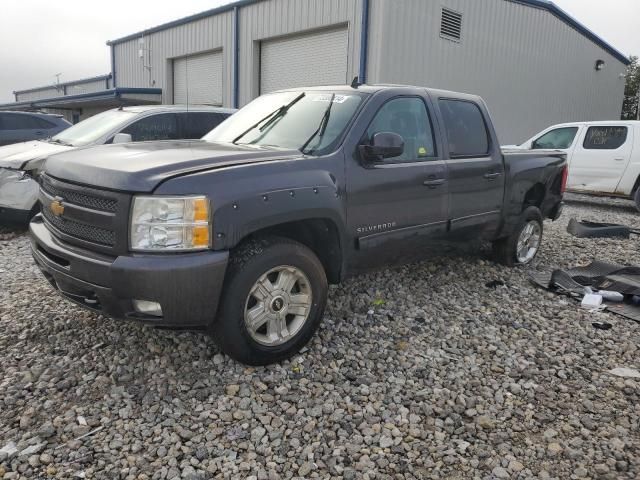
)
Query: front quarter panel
[{"x": 248, "y": 198}]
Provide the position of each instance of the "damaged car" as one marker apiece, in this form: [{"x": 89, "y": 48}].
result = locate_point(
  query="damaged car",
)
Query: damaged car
[{"x": 21, "y": 162}]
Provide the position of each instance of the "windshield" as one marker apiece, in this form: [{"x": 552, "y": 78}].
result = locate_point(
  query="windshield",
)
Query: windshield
[
  {"x": 93, "y": 128},
  {"x": 293, "y": 120}
]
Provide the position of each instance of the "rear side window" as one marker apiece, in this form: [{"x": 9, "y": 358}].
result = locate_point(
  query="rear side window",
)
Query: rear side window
[
  {"x": 466, "y": 130},
  {"x": 17, "y": 121},
  {"x": 163, "y": 126},
  {"x": 559, "y": 138},
  {"x": 605, "y": 138},
  {"x": 198, "y": 124}
]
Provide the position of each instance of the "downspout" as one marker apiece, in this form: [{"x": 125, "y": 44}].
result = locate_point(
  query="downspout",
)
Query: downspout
[
  {"x": 364, "y": 42},
  {"x": 236, "y": 54},
  {"x": 113, "y": 66}
]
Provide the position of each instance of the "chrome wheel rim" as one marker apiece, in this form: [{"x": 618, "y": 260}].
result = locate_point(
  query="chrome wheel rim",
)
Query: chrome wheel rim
[
  {"x": 528, "y": 242},
  {"x": 278, "y": 305}
]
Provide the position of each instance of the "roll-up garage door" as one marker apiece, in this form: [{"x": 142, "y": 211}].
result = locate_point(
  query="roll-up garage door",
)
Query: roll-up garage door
[
  {"x": 197, "y": 79},
  {"x": 318, "y": 58}
]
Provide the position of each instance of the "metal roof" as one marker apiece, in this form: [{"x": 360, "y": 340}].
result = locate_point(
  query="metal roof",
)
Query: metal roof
[
  {"x": 64, "y": 84},
  {"x": 55, "y": 102},
  {"x": 542, "y": 4}
]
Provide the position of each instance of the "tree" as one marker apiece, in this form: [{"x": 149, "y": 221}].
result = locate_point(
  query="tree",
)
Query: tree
[{"x": 631, "y": 103}]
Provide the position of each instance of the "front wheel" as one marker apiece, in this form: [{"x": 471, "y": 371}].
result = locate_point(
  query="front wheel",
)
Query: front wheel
[
  {"x": 521, "y": 247},
  {"x": 636, "y": 198},
  {"x": 274, "y": 297}
]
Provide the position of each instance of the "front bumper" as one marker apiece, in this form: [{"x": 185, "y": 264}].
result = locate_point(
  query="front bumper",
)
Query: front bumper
[
  {"x": 187, "y": 286},
  {"x": 14, "y": 216}
]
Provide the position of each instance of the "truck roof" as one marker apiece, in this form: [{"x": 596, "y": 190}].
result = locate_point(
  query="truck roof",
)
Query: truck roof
[
  {"x": 181, "y": 108},
  {"x": 366, "y": 88}
]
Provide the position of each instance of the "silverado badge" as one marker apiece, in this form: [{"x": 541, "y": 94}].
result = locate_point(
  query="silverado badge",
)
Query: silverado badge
[{"x": 56, "y": 207}]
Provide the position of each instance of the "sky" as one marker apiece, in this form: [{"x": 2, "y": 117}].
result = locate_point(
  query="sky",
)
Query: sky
[{"x": 41, "y": 38}]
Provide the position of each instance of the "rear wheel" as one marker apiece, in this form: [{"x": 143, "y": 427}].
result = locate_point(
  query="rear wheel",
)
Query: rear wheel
[
  {"x": 274, "y": 297},
  {"x": 521, "y": 247}
]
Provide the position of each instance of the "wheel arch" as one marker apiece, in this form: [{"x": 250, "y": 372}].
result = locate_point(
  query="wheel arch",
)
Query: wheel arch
[{"x": 320, "y": 234}]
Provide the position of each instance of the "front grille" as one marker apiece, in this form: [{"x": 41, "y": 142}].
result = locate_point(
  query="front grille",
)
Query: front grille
[
  {"x": 104, "y": 204},
  {"x": 79, "y": 230}
]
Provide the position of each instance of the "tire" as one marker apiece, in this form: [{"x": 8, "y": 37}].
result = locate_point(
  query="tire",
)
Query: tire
[
  {"x": 276, "y": 281},
  {"x": 636, "y": 198},
  {"x": 505, "y": 250}
]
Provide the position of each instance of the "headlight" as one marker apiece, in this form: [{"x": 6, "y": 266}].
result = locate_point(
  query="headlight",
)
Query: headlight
[{"x": 169, "y": 223}]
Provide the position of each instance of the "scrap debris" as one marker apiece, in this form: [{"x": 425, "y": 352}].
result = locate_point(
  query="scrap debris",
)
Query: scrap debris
[{"x": 598, "y": 286}]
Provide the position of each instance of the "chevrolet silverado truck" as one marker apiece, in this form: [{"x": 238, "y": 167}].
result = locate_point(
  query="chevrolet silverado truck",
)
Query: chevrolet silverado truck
[{"x": 241, "y": 232}]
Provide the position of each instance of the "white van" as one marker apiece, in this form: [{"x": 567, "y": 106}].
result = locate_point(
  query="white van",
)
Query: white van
[{"x": 603, "y": 157}]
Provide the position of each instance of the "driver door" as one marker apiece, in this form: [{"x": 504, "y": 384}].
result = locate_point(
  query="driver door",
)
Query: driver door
[{"x": 395, "y": 204}]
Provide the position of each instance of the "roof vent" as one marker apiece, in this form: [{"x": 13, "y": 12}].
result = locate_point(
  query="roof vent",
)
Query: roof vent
[{"x": 451, "y": 25}]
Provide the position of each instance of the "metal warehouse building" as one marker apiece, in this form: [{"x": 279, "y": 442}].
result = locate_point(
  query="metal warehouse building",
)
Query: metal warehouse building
[{"x": 533, "y": 63}]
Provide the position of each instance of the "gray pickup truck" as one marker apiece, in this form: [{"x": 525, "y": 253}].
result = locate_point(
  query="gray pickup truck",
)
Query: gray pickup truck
[{"x": 240, "y": 233}]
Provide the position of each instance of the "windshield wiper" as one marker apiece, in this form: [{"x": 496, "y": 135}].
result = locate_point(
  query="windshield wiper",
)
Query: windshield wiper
[
  {"x": 272, "y": 117},
  {"x": 324, "y": 121},
  {"x": 60, "y": 142}
]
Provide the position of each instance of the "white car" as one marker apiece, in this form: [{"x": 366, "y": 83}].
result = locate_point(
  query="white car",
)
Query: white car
[
  {"x": 20, "y": 162},
  {"x": 603, "y": 157}
]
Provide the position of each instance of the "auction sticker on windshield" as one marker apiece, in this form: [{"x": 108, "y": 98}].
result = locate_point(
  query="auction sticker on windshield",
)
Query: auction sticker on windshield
[{"x": 327, "y": 98}]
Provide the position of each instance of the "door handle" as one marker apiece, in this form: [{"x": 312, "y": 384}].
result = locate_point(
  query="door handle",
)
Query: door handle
[
  {"x": 433, "y": 183},
  {"x": 492, "y": 175},
  {"x": 619, "y": 159}
]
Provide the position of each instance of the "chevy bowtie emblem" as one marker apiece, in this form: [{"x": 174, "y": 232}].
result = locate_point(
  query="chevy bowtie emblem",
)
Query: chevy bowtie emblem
[{"x": 56, "y": 207}]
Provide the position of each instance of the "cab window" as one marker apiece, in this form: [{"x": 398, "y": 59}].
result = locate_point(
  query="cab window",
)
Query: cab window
[
  {"x": 408, "y": 118},
  {"x": 556, "y": 139}
]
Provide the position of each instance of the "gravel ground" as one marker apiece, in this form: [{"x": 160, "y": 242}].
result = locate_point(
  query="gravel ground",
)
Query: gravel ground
[{"x": 446, "y": 378}]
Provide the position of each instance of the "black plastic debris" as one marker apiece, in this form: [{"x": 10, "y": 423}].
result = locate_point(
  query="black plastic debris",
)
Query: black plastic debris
[
  {"x": 602, "y": 325},
  {"x": 494, "y": 284},
  {"x": 587, "y": 229},
  {"x": 597, "y": 276}
]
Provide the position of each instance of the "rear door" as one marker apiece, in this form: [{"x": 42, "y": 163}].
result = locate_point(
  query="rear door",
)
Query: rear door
[
  {"x": 601, "y": 157},
  {"x": 395, "y": 204},
  {"x": 475, "y": 165}
]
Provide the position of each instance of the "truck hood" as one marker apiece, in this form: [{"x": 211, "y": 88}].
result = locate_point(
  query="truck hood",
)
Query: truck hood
[
  {"x": 28, "y": 155},
  {"x": 140, "y": 167}
]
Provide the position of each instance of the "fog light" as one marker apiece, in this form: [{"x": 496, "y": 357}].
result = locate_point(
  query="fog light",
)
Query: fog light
[{"x": 148, "y": 308}]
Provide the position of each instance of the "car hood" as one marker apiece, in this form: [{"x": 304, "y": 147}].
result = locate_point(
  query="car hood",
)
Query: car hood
[
  {"x": 140, "y": 167},
  {"x": 22, "y": 155}
]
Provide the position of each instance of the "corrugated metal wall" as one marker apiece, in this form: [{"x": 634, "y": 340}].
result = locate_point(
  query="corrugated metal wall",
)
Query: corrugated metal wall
[
  {"x": 532, "y": 69},
  {"x": 90, "y": 86},
  {"x": 87, "y": 87},
  {"x": 159, "y": 48},
  {"x": 48, "y": 92}
]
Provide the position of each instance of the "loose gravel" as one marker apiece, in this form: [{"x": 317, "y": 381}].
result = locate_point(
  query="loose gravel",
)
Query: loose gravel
[{"x": 417, "y": 372}]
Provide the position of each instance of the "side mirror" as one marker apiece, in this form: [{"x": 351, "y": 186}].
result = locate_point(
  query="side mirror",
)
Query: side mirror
[
  {"x": 122, "y": 138},
  {"x": 383, "y": 145}
]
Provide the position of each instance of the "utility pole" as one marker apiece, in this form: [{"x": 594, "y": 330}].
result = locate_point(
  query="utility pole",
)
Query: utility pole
[{"x": 638, "y": 102}]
